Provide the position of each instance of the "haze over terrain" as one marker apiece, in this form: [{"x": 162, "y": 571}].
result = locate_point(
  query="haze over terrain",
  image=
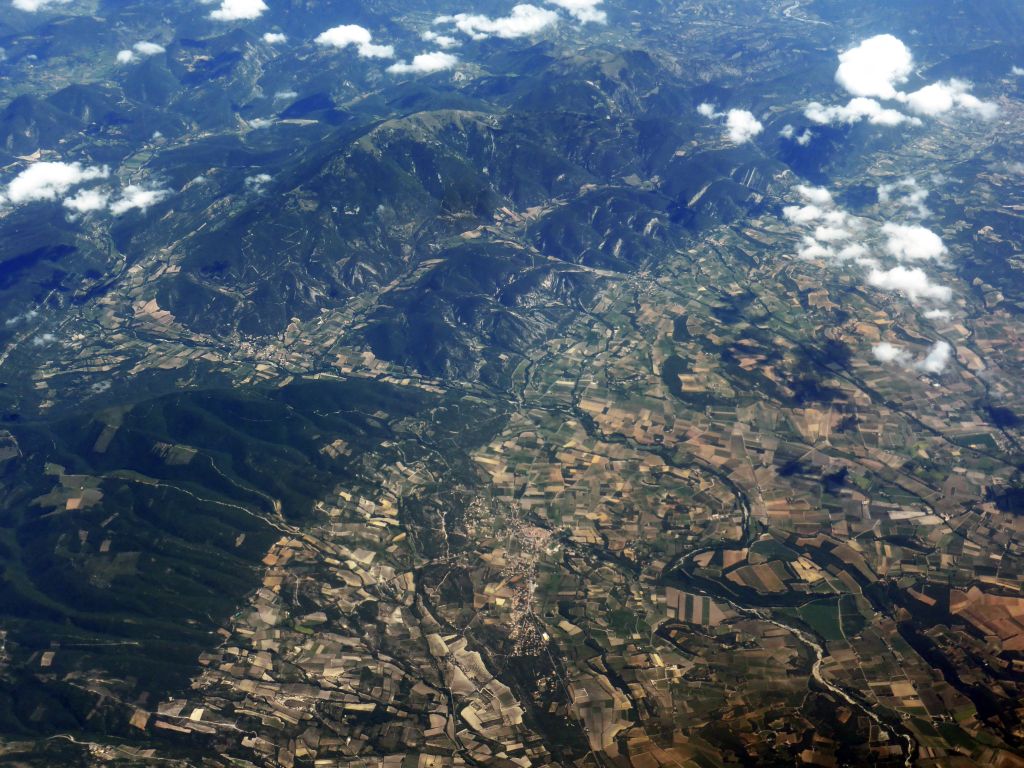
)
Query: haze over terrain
[{"x": 422, "y": 384}]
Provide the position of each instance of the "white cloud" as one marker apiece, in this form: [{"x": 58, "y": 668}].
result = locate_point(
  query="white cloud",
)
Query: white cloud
[
  {"x": 87, "y": 200},
  {"x": 36, "y": 5},
  {"x": 742, "y": 126},
  {"x": 146, "y": 48},
  {"x": 812, "y": 249},
  {"x": 941, "y": 97},
  {"x": 857, "y": 109},
  {"x": 582, "y": 10},
  {"x": 425, "y": 63},
  {"x": 885, "y": 352},
  {"x": 937, "y": 359},
  {"x": 343, "y": 36},
  {"x": 911, "y": 242},
  {"x": 442, "y": 41},
  {"x": 816, "y": 195},
  {"x": 260, "y": 122},
  {"x": 25, "y": 317},
  {"x": 855, "y": 252},
  {"x": 1017, "y": 71},
  {"x": 913, "y": 196},
  {"x": 913, "y": 283},
  {"x": 258, "y": 182},
  {"x": 875, "y": 67},
  {"x": 804, "y": 138},
  {"x": 134, "y": 197},
  {"x": 48, "y": 181},
  {"x": 286, "y": 95},
  {"x": 802, "y": 214},
  {"x": 239, "y": 10},
  {"x": 141, "y": 48},
  {"x": 273, "y": 38},
  {"x": 43, "y": 339},
  {"x": 828, "y": 234},
  {"x": 525, "y": 20},
  {"x": 937, "y": 314}
]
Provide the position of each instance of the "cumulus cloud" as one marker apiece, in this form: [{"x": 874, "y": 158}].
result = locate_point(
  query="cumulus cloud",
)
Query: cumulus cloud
[
  {"x": 802, "y": 139},
  {"x": 274, "y": 38},
  {"x": 912, "y": 242},
  {"x": 286, "y": 95},
  {"x": 260, "y": 122},
  {"x": 817, "y": 202},
  {"x": 833, "y": 235},
  {"x": 884, "y": 352},
  {"x": 87, "y": 201},
  {"x": 50, "y": 180},
  {"x": 816, "y": 195},
  {"x": 146, "y": 48},
  {"x": 425, "y": 63},
  {"x": 442, "y": 41},
  {"x": 582, "y": 10},
  {"x": 937, "y": 314},
  {"x": 1017, "y": 71},
  {"x": 913, "y": 283},
  {"x": 802, "y": 214},
  {"x": 258, "y": 182},
  {"x": 36, "y": 5},
  {"x": 873, "y": 70},
  {"x": 856, "y": 110},
  {"x": 937, "y": 359},
  {"x": 523, "y": 21},
  {"x": 135, "y": 197},
  {"x": 742, "y": 126},
  {"x": 141, "y": 48},
  {"x": 360, "y": 38},
  {"x": 875, "y": 67},
  {"x": 239, "y": 10},
  {"x": 905, "y": 194},
  {"x": 941, "y": 97}
]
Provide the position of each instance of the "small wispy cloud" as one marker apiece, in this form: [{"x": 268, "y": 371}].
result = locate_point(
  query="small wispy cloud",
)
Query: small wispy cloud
[
  {"x": 258, "y": 182},
  {"x": 442, "y": 41},
  {"x": 136, "y": 197}
]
